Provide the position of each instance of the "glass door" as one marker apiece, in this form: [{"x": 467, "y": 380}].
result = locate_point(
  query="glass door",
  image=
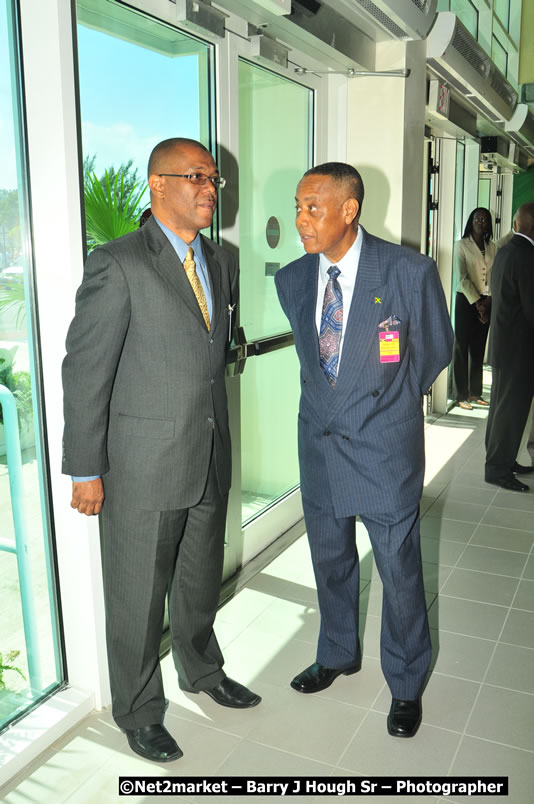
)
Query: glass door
[
  {"x": 31, "y": 661},
  {"x": 272, "y": 158}
]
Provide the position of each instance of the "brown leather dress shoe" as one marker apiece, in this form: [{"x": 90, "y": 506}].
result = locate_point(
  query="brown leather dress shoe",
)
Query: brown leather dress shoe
[
  {"x": 404, "y": 717},
  {"x": 154, "y": 743},
  {"x": 317, "y": 677},
  {"x": 233, "y": 694}
]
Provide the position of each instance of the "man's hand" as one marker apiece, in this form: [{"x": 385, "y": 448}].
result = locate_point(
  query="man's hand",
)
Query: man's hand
[
  {"x": 483, "y": 306},
  {"x": 88, "y": 496}
]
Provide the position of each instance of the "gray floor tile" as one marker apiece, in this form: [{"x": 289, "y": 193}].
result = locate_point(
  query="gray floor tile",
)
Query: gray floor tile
[
  {"x": 308, "y": 725},
  {"x": 374, "y": 752},
  {"x": 489, "y": 559},
  {"x": 434, "y": 576},
  {"x": 512, "y": 667},
  {"x": 441, "y": 551},
  {"x": 482, "y": 586},
  {"x": 250, "y": 758},
  {"x": 478, "y": 757},
  {"x": 519, "y": 502},
  {"x": 524, "y": 598},
  {"x": 461, "y": 656},
  {"x": 467, "y": 617},
  {"x": 508, "y": 518},
  {"x": 503, "y": 538},
  {"x": 461, "y": 511},
  {"x": 436, "y": 528},
  {"x": 469, "y": 494},
  {"x": 519, "y": 629},
  {"x": 529, "y": 569},
  {"x": 504, "y": 716}
]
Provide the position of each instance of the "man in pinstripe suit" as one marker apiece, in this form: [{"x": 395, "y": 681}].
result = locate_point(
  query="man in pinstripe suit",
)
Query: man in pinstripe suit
[
  {"x": 147, "y": 441},
  {"x": 361, "y": 440}
]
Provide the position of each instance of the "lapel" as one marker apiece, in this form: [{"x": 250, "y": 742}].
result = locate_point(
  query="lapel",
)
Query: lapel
[{"x": 167, "y": 263}]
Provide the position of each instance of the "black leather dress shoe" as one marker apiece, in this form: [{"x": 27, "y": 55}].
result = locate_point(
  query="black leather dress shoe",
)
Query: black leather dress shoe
[
  {"x": 509, "y": 483},
  {"x": 317, "y": 677},
  {"x": 230, "y": 693},
  {"x": 154, "y": 742},
  {"x": 404, "y": 717},
  {"x": 518, "y": 469}
]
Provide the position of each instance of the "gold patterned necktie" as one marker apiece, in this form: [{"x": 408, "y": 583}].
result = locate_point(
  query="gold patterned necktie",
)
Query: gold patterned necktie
[{"x": 196, "y": 284}]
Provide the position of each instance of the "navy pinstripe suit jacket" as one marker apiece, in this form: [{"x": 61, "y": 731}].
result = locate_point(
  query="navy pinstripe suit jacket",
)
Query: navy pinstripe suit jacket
[{"x": 361, "y": 444}]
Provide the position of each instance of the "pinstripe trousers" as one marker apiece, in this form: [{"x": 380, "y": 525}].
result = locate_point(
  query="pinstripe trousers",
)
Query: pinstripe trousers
[
  {"x": 148, "y": 556},
  {"x": 405, "y": 648}
]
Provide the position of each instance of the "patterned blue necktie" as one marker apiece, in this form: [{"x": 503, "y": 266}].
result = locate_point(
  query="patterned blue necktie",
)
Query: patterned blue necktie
[{"x": 331, "y": 326}]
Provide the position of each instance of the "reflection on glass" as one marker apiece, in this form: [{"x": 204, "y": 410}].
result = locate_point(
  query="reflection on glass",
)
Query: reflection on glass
[
  {"x": 270, "y": 392},
  {"x": 272, "y": 158},
  {"x": 502, "y": 9},
  {"x": 499, "y": 55},
  {"x": 140, "y": 82},
  {"x": 466, "y": 13},
  {"x": 484, "y": 193},
  {"x": 30, "y": 661}
]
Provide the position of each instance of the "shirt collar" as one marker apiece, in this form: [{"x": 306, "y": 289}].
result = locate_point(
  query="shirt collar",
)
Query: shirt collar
[
  {"x": 348, "y": 264},
  {"x": 179, "y": 245},
  {"x": 525, "y": 236}
]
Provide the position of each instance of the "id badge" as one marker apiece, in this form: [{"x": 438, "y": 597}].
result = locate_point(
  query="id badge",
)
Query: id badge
[{"x": 389, "y": 346}]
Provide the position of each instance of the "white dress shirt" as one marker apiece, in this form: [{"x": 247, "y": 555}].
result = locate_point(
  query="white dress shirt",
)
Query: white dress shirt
[{"x": 348, "y": 266}]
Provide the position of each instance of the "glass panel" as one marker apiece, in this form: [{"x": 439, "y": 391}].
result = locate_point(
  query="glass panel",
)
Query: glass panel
[
  {"x": 467, "y": 13},
  {"x": 272, "y": 159},
  {"x": 502, "y": 9},
  {"x": 30, "y": 657},
  {"x": 269, "y": 462},
  {"x": 499, "y": 55},
  {"x": 140, "y": 82}
]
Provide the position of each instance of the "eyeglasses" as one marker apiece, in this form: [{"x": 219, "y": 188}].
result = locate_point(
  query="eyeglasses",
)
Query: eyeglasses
[
  {"x": 198, "y": 178},
  {"x": 480, "y": 220}
]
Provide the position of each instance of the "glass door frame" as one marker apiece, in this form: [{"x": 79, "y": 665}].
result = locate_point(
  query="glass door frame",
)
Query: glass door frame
[{"x": 243, "y": 543}]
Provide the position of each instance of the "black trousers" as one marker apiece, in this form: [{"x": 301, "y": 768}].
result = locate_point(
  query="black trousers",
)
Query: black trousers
[
  {"x": 511, "y": 397},
  {"x": 470, "y": 337}
]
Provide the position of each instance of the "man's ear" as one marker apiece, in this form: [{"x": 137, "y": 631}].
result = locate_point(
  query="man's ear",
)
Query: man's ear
[
  {"x": 157, "y": 186},
  {"x": 351, "y": 209}
]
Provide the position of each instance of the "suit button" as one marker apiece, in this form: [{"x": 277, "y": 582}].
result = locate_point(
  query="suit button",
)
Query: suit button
[
  {"x": 326, "y": 432},
  {"x": 375, "y": 393},
  {"x": 212, "y": 380},
  {"x": 211, "y": 340},
  {"x": 210, "y": 419},
  {"x": 345, "y": 438}
]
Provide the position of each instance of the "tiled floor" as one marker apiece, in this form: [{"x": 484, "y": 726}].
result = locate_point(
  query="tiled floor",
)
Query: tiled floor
[{"x": 479, "y": 703}]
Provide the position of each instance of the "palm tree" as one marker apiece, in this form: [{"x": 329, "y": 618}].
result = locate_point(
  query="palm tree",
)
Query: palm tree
[{"x": 112, "y": 206}]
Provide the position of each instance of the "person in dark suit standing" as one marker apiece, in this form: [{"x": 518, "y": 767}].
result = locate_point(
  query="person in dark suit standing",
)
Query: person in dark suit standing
[
  {"x": 372, "y": 333},
  {"x": 510, "y": 353},
  {"x": 146, "y": 439}
]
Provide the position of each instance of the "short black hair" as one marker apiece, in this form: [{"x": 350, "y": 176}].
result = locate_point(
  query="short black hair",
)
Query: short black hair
[
  {"x": 341, "y": 172},
  {"x": 469, "y": 225},
  {"x": 163, "y": 148}
]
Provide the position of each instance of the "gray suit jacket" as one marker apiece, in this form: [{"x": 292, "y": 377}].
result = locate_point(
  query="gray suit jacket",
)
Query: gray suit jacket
[
  {"x": 361, "y": 444},
  {"x": 143, "y": 379}
]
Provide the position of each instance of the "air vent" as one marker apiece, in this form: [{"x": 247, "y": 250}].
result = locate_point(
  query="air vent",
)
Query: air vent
[
  {"x": 521, "y": 125},
  {"x": 452, "y": 51},
  {"x": 383, "y": 19},
  {"x": 471, "y": 51}
]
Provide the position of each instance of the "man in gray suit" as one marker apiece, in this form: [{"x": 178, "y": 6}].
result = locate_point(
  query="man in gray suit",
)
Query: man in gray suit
[
  {"x": 372, "y": 333},
  {"x": 147, "y": 442}
]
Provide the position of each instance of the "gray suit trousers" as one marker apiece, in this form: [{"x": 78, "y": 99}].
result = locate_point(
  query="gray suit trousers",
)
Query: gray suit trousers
[{"x": 148, "y": 555}]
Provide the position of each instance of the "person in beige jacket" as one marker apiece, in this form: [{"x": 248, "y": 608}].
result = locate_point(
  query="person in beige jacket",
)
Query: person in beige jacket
[{"x": 473, "y": 258}]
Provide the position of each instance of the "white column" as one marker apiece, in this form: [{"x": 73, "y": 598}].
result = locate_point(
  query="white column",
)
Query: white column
[{"x": 385, "y": 141}]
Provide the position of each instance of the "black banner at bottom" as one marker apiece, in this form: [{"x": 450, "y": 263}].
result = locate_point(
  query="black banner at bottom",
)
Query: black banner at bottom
[{"x": 282, "y": 786}]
